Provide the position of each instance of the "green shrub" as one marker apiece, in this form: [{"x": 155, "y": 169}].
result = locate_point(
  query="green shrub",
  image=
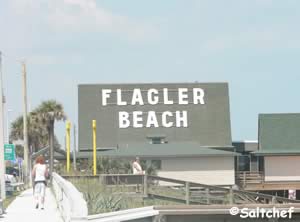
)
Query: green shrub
[{"x": 101, "y": 202}]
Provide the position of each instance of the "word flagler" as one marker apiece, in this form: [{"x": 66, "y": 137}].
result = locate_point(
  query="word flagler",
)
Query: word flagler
[{"x": 154, "y": 97}]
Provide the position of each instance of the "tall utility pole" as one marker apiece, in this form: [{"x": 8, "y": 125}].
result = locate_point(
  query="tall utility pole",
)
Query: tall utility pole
[
  {"x": 74, "y": 149},
  {"x": 7, "y": 125},
  {"x": 2, "y": 162},
  {"x": 27, "y": 177}
]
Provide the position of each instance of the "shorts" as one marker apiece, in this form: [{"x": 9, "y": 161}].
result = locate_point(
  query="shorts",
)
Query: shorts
[{"x": 39, "y": 189}]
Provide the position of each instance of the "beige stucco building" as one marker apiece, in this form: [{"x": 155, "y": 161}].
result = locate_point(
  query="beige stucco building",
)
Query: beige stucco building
[{"x": 217, "y": 170}]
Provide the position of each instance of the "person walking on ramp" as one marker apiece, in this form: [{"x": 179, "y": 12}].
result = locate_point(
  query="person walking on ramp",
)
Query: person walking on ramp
[{"x": 39, "y": 173}]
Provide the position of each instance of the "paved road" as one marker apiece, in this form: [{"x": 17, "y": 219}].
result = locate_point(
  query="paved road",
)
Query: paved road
[{"x": 23, "y": 209}]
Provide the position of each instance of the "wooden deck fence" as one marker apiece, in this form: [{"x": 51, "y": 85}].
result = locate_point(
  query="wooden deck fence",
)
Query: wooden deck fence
[
  {"x": 186, "y": 192},
  {"x": 244, "y": 178}
]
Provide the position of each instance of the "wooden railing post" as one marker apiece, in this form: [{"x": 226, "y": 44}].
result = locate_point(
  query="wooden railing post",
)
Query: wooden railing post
[
  {"x": 262, "y": 177},
  {"x": 207, "y": 195},
  {"x": 231, "y": 196},
  {"x": 244, "y": 179},
  {"x": 187, "y": 193},
  {"x": 145, "y": 185}
]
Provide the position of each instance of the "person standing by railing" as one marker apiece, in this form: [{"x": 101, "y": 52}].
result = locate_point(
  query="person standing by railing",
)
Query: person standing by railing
[
  {"x": 136, "y": 167},
  {"x": 137, "y": 170},
  {"x": 40, "y": 174}
]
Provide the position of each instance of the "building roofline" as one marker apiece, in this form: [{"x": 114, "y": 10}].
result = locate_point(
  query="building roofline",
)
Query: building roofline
[
  {"x": 151, "y": 83},
  {"x": 245, "y": 141}
]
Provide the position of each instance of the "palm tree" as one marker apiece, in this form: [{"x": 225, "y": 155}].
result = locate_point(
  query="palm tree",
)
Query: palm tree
[
  {"x": 37, "y": 134},
  {"x": 46, "y": 114},
  {"x": 16, "y": 129}
]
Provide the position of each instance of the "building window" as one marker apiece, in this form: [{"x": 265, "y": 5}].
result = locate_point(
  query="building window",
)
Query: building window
[
  {"x": 254, "y": 164},
  {"x": 243, "y": 163},
  {"x": 157, "y": 140},
  {"x": 156, "y": 164}
]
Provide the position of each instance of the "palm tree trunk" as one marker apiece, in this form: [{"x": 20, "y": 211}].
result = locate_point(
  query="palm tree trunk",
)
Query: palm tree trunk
[{"x": 51, "y": 147}]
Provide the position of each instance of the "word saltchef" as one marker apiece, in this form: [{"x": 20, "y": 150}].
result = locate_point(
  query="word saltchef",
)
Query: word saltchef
[{"x": 152, "y": 97}]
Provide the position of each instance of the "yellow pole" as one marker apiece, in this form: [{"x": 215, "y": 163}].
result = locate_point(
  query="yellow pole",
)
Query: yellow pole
[
  {"x": 68, "y": 129},
  {"x": 94, "y": 148}
]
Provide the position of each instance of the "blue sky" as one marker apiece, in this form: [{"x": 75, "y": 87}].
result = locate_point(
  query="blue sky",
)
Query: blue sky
[{"x": 254, "y": 45}]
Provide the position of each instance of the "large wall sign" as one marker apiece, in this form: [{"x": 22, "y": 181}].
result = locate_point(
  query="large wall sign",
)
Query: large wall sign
[
  {"x": 128, "y": 113},
  {"x": 153, "y": 97}
]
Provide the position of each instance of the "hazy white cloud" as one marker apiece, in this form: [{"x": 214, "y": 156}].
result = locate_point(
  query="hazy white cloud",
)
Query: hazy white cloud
[
  {"x": 83, "y": 16},
  {"x": 22, "y": 7},
  {"x": 263, "y": 2},
  {"x": 256, "y": 39},
  {"x": 65, "y": 59}
]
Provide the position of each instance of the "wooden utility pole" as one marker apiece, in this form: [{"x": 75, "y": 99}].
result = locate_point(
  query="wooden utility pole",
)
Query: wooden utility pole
[
  {"x": 27, "y": 175},
  {"x": 2, "y": 162}
]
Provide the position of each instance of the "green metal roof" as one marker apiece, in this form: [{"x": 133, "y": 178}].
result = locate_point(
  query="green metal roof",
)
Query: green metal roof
[
  {"x": 165, "y": 150},
  {"x": 279, "y": 134}
]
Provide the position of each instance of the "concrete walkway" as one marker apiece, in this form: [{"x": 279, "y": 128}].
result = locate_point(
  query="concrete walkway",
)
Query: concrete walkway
[{"x": 23, "y": 209}]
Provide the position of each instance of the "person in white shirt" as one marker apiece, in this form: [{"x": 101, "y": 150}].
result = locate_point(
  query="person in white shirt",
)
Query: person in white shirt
[
  {"x": 136, "y": 166},
  {"x": 40, "y": 174},
  {"x": 137, "y": 170}
]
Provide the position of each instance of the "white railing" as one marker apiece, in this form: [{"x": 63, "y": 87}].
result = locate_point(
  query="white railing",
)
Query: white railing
[
  {"x": 70, "y": 201},
  {"x": 74, "y": 208},
  {"x": 1, "y": 207}
]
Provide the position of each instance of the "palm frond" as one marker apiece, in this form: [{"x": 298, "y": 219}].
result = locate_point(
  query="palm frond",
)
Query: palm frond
[{"x": 38, "y": 122}]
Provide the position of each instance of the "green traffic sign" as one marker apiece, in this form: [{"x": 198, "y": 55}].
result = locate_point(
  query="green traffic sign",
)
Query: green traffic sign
[{"x": 9, "y": 152}]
